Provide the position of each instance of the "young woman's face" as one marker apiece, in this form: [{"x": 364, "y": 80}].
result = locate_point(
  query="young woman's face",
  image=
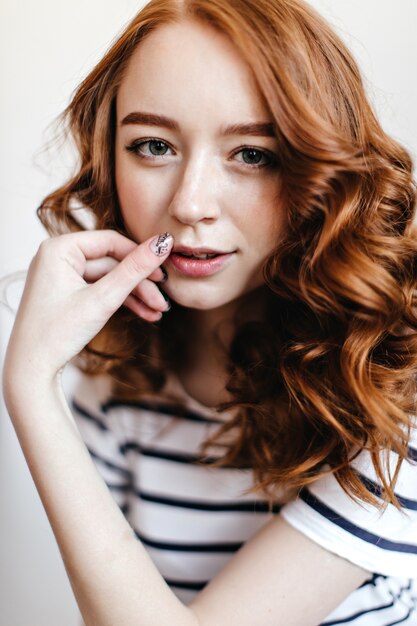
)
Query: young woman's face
[{"x": 183, "y": 165}]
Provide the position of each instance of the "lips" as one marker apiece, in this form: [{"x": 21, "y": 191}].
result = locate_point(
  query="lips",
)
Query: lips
[
  {"x": 202, "y": 252},
  {"x": 199, "y": 262}
]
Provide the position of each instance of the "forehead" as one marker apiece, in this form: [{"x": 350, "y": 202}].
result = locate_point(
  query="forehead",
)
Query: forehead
[{"x": 189, "y": 68}]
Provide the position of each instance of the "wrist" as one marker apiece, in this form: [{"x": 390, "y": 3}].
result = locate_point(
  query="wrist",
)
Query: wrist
[{"x": 27, "y": 384}]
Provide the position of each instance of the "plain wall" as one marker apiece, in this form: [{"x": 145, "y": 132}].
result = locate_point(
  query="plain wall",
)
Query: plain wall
[{"x": 46, "y": 48}]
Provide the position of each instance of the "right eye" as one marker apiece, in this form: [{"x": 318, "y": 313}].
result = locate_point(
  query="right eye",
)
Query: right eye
[{"x": 155, "y": 148}]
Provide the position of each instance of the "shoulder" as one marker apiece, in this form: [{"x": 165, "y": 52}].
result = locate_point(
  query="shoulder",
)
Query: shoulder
[{"x": 377, "y": 538}]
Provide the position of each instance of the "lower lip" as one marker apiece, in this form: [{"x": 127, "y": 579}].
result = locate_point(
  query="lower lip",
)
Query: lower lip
[{"x": 198, "y": 268}]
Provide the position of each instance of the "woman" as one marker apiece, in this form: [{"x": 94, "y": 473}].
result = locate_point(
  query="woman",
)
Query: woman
[{"x": 268, "y": 331}]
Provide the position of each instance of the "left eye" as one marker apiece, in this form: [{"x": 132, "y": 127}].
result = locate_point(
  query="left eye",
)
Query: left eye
[
  {"x": 156, "y": 147},
  {"x": 255, "y": 157}
]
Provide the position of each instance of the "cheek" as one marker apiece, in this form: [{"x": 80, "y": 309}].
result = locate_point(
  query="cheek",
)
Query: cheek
[
  {"x": 140, "y": 201},
  {"x": 264, "y": 219},
  {"x": 275, "y": 218}
]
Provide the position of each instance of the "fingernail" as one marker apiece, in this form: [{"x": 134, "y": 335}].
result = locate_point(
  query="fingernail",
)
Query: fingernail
[
  {"x": 165, "y": 274},
  {"x": 162, "y": 244},
  {"x": 167, "y": 300}
]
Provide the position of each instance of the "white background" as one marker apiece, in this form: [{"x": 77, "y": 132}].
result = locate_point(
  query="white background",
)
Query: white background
[{"x": 46, "y": 48}]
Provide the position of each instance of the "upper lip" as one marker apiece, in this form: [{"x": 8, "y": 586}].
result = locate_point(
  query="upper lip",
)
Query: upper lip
[{"x": 203, "y": 250}]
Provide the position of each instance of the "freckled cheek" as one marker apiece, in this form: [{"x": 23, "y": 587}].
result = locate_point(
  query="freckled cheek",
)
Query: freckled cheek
[
  {"x": 274, "y": 215},
  {"x": 261, "y": 216},
  {"x": 142, "y": 203}
]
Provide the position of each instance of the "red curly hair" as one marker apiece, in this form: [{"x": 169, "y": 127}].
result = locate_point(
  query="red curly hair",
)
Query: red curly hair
[{"x": 335, "y": 361}]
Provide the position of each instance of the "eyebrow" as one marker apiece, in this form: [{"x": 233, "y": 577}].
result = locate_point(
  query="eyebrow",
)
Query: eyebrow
[{"x": 259, "y": 129}]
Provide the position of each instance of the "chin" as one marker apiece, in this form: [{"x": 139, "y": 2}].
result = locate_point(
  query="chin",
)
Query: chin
[
  {"x": 202, "y": 299},
  {"x": 203, "y": 304}
]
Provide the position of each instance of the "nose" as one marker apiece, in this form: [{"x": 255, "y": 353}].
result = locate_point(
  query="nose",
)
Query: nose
[{"x": 194, "y": 198}]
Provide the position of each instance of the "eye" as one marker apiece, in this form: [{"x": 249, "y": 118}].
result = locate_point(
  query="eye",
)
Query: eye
[
  {"x": 155, "y": 148},
  {"x": 255, "y": 158}
]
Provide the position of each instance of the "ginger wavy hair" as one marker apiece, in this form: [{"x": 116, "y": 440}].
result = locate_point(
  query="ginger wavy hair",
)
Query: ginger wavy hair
[{"x": 335, "y": 361}]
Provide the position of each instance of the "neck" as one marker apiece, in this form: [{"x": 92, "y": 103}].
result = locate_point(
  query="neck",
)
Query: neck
[
  {"x": 226, "y": 319},
  {"x": 213, "y": 332}
]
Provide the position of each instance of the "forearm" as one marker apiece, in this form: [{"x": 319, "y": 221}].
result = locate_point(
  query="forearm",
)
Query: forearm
[{"x": 112, "y": 576}]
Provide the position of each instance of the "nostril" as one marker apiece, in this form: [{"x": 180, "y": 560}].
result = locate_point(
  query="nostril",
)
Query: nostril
[{"x": 192, "y": 212}]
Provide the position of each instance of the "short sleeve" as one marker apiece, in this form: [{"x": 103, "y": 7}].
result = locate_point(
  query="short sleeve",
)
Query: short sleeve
[
  {"x": 383, "y": 542},
  {"x": 100, "y": 433}
]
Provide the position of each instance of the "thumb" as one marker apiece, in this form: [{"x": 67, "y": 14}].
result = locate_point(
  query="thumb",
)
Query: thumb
[{"x": 113, "y": 288}]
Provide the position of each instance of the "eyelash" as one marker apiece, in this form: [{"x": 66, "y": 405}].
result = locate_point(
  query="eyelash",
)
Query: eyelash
[{"x": 136, "y": 145}]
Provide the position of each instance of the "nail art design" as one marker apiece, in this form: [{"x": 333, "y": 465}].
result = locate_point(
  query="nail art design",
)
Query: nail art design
[{"x": 161, "y": 244}]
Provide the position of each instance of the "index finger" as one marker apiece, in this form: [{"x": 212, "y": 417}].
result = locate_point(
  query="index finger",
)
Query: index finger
[
  {"x": 115, "y": 286},
  {"x": 99, "y": 243}
]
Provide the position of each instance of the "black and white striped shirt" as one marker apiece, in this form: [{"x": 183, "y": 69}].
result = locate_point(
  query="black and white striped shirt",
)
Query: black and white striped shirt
[{"x": 192, "y": 518}]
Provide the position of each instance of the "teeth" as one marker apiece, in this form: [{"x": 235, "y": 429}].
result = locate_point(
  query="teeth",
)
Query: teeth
[{"x": 198, "y": 256}]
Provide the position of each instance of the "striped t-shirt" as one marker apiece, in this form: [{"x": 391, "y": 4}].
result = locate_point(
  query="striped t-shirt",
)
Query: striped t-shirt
[{"x": 193, "y": 518}]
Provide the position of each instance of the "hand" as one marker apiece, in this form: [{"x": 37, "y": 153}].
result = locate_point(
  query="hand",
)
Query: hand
[{"x": 60, "y": 312}]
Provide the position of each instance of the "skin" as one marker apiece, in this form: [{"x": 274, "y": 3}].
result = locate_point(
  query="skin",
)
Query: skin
[
  {"x": 205, "y": 187},
  {"x": 77, "y": 281},
  {"x": 200, "y": 185}
]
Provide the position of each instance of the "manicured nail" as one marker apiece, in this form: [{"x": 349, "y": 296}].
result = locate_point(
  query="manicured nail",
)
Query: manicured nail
[
  {"x": 167, "y": 300},
  {"x": 165, "y": 274},
  {"x": 162, "y": 244}
]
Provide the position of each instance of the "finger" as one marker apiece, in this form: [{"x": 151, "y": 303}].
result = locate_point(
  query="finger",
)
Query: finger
[
  {"x": 96, "y": 268},
  {"x": 149, "y": 293},
  {"x": 143, "y": 311},
  {"x": 96, "y": 244},
  {"x": 78, "y": 249},
  {"x": 113, "y": 288},
  {"x": 159, "y": 275}
]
